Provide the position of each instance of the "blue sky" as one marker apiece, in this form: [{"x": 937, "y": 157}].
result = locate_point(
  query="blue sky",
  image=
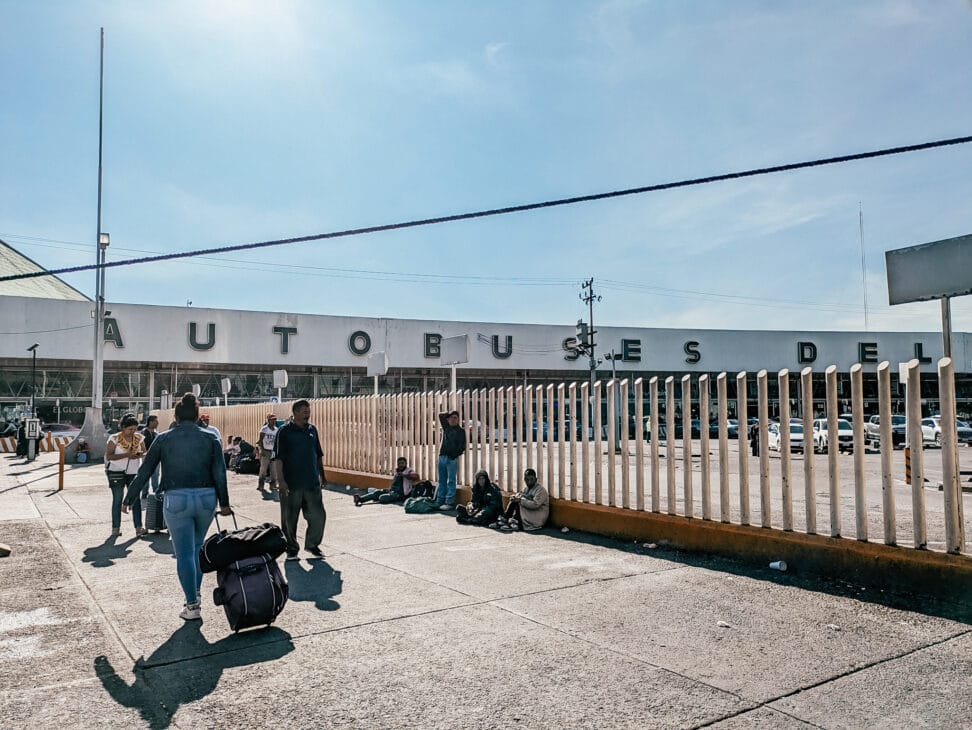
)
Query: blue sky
[{"x": 230, "y": 121}]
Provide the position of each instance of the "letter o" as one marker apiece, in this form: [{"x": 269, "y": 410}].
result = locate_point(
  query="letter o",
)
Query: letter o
[{"x": 359, "y": 343}]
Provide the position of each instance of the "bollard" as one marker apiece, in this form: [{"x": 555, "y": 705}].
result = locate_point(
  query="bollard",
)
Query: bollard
[
  {"x": 60, "y": 467},
  {"x": 907, "y": 464}
]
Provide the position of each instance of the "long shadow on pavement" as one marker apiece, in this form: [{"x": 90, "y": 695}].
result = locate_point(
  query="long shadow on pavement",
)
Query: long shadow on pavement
[
  {"x": 105, "y": 554},
  {"x": 160, "y": 542},
  {"x": 186, "y": 668},
  {"x": 318, "y": 583}
]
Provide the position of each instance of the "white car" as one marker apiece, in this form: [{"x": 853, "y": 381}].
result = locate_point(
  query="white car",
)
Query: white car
[
  {"x": 845, "y": 435},
  {"x": 931, "y": 430},
  {"x": 774, "y": 439}
]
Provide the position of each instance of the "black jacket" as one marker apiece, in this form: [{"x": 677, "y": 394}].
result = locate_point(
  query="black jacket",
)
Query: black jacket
[{"x": 453, "y": 438}]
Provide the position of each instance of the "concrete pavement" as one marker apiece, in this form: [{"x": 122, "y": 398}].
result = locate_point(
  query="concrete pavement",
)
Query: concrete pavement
[{"x": 415, "y": 621}]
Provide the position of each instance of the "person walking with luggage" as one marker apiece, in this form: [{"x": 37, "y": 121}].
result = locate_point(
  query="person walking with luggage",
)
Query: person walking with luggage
[
  {"x": 528, "y": 510},
  {"x": 193, "y": 484},
  {"x": 265, "y": 441},
  {"x": 453, "y": 445},
  {"x": 149, "y": 432},
  {"x": 298, "y": 461},
  {"x": 123, "y": 456}
]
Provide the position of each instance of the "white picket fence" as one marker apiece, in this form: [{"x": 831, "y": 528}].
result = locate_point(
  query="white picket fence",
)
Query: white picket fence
[{"x": 367, "y": 433}]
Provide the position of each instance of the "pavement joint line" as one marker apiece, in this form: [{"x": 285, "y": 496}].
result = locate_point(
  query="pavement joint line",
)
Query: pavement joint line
[{"x": 834, "y": 678}]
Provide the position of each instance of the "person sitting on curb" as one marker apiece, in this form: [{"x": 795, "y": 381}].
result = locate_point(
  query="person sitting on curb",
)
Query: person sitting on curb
[
  {"x": 486, "y": 504},
  {"x": 528, "y": 510},
  {"x": 400, "y": 488}
]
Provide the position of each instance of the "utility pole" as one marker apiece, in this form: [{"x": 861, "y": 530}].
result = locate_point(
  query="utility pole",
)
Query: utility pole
[{"x": 586, "y": 332}]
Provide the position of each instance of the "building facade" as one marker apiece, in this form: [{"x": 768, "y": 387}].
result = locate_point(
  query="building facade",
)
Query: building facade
[{"x": 151, "y": 351}]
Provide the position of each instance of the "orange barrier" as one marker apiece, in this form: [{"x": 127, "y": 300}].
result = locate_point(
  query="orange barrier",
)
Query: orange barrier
[{"x": 8, "y": 444}]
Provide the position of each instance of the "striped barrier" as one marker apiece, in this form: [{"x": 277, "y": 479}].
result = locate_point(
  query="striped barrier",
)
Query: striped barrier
[{"x": 8, "y": 444}]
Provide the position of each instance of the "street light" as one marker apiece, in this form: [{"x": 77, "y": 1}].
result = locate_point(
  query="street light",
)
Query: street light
[{"x": 33, "y": 378}]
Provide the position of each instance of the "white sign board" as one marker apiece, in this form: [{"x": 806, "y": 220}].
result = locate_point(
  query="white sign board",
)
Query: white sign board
[
  {"x": 226, "y": 385},
  {"x": 454, "y": 350},
  {"x": 378, "y": 363},
  {"x": 930, "y": 271},
  {"x": 32, "y": 428},
  {"x": 279, "y": 378}
]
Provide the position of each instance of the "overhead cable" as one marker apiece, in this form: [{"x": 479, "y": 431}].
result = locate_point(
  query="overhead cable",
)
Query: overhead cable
[{"x": 506, "y": 210}]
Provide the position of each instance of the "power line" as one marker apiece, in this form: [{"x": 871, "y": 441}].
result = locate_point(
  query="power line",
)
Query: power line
[{"x": 507, "y": 210}]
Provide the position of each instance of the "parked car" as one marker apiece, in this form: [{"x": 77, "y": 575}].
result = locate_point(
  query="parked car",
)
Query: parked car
[
  {"x": 872, "y": 431},
  {"x": 931, "y": 430},
  {"x": 845, "y": 435},
  {"x": 774, "y": 438},
  {"x": 62, "y": 429}
]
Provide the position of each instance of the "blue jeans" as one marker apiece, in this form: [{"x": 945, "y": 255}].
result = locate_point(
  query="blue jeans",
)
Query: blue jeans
[
  {"x": 188, "y": 515},
  {"x": 117, "y": 496},
  {"x": 446, "y": 493}
]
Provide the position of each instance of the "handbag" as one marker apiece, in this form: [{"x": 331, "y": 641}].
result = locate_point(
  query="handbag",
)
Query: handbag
[{"x": 116, "y": 479}]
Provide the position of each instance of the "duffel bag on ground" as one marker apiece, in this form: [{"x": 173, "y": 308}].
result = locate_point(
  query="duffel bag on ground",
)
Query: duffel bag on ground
[
  {"x": 420, "y": 505},
  {"x": 248, "y": 466},
  {"x": 252, "y": 591},
  {"x": 225, "y": 548},
  {"x": 424, "y": 488}
]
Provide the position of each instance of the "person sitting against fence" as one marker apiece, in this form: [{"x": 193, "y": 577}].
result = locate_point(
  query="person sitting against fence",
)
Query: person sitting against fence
[
  {"x": 82, "y": 452},
  {"x": 231, "y": 451},
  {"x": 400, "y": 489},
  {"x": 486, "y": 504},
  {"x": 528, "y": 510}
]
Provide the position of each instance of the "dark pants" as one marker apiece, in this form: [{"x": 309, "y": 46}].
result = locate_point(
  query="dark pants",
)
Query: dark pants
[
  {"x": 385, "y": 496},
  {"x": 485, "y": 516},
  {"x": 513, "y": 510},
  {"x": 310, "y": 502},
  {"x": 117, "y": 496}
]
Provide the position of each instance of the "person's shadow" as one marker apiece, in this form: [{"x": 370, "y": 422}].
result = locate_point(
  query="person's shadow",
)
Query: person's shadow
[
  {"x": 160, "y": 542},
  {"x": 105, "y": 554},
  {"x": 187, "y": 668},
  {"x": 319, "y": 583}
]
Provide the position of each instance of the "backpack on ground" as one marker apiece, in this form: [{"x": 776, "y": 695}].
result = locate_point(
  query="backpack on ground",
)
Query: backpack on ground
[
  {"x": 247, "y": 465},
  {"x": 225, "y": 548},
  {"x": 424, "y": 488},
  {"x": 420, "y": 505},
  {"x": 252, "y": 592}
]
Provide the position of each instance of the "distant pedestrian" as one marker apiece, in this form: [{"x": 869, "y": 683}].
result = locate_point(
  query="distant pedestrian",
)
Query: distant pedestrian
[
  {"x": 453, "y": 445},
  {"x": 123, "y": 456},
  {"x": 204, "y": 424},
  {"x": 149, "y": 432},
  {"x": 754, "y": 438},
  {"x": 299, "y": 464},
  {"x": 265, "y": 440},
  {"x": 193, "y": 483},
  {"x": 528, "y": 510}
]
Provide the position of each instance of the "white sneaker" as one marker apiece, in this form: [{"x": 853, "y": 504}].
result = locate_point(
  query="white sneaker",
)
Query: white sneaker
[
  {"x": 192, "y": 612},
  {"x": 447, "y": 508}
]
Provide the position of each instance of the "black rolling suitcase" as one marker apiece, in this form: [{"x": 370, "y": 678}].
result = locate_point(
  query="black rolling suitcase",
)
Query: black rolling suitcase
[
  {"x": 252, "y": 591},
  {"x": 249, "y": 585},
  {"x": 154, "y": 519}
]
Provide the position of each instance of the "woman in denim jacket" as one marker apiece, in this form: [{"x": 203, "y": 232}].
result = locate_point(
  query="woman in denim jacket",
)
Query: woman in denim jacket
[{"x": 193, "y": 483}]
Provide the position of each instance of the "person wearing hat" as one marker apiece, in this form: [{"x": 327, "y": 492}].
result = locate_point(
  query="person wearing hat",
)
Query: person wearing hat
[
  {"x": 265, "y": 441},
  {"x": 453, "y": 445},
  {"x": 204, "y": 425}
]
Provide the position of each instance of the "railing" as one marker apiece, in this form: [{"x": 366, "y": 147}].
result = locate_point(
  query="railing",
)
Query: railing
[{"x": 510, "y": 429}]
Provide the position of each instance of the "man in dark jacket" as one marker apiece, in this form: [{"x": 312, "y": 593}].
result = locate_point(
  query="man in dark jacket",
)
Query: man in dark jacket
[
  {"x": 453, "y": 445},
  {"x": 486, "y": 504}
]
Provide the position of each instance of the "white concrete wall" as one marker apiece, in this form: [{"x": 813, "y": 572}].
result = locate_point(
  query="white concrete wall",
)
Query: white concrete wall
[{"x": 151, "y": 333}]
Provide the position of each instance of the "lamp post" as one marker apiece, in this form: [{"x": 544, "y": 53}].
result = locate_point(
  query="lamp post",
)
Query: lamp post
[{"x": 33, "y": 378}]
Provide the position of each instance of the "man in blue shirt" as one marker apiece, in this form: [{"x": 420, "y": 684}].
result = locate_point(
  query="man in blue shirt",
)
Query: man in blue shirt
[{"x": 299, "y": 465}]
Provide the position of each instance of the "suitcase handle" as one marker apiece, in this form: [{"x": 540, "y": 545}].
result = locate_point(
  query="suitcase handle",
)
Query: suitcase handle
[{"x": 218, "y": 528}]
